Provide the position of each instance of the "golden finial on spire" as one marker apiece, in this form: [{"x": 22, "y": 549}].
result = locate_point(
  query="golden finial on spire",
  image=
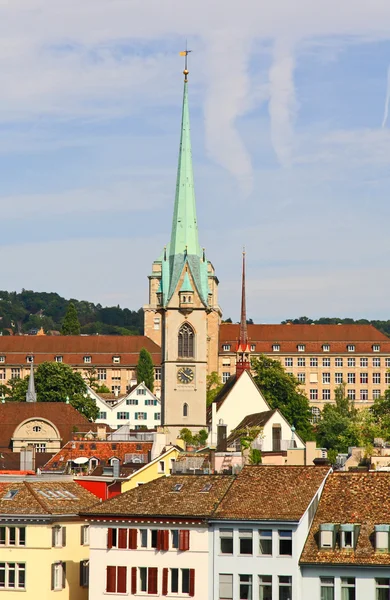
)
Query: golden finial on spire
[{"x": 186, "y": 71}]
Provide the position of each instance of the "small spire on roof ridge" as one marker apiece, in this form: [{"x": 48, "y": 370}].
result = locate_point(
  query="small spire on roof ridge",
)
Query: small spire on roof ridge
[
  {"x": 31, "y": 395},
  {"x": 243, "y": 324}
]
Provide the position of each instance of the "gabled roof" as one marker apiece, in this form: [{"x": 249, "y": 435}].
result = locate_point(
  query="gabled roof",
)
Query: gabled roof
[
  {"x": 159, "y": 498},
  {"x": 256, "y": 420},
  {"x": 271, "y": 493},
  {"x": 44, "y": 498},
  {"x": 361, "y": 498},
  {"x": 227, "y": 388}
]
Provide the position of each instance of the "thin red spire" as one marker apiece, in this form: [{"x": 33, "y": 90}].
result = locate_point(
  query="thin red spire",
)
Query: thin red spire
[
  {"x": 243, "y": 356},
  {"x": 243, "y": 325}
]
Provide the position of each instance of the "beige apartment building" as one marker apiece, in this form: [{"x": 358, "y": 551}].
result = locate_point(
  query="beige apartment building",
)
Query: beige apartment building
[
  {"x": 320, "y": 356},
  {"x": 111, "y": 359}
]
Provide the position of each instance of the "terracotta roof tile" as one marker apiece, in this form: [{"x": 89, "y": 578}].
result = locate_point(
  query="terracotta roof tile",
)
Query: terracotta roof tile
[
  {"x": 158, "y": 498},
  {"x": 62, "y": 415},
  {"x": 271, "y": 493},
  {"x": 73, "y": 348},
  {"x": 313, "y": 336},
  {"x": 103, "y": 451},
  {"x": 361, "y": 498}
]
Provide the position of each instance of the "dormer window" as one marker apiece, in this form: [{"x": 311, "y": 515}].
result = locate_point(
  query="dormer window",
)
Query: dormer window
[
  {"x": 2, "y": 359},
  {"x": 382, "y": 538},
  {"x": 327, "y": 536},
  {"x": 253, "y": 347},
  {"x": 30, "y": 359},
  {"x": 326, "y": 348},
  {"x": 116, "y": 359},
  {"x": 301, "y": 347},
  {"x": 276, "y": 348},
  {"x": 348, "y": 535},
  {"x": 226, "y": 347},
  {"x": 87, "y": 359},
  {"x": 350, "y": 348},
  {"x": 376, "y": 348},
  {"x": 58, "y": 358}
]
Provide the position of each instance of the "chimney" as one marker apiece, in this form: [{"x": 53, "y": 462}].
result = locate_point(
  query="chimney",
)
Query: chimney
[{"x": 101, "y": 432}]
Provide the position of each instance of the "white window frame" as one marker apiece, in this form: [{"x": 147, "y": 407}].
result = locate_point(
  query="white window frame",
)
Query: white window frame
[
  {"x": 314, "y": 362},
  {"x": 301, "y": 361},
  {"x": 351, "y": 348},
  {"x": 58, "y": 576},
  {"x": 326, "y": 362},
  {"x": 116, "y": 360},
  {"x": 376, "y": 348},
  {"x": 338, "y": 362},
  {"x": 338, "y": 378},
  {"x": 326, "y": 348},
  {"x": 351, "y": 362},
  {"x": 301, "y": 347},
  {"x": 87, "y": 359},
  {"x": 226, "y": 347},
  {"x": 18, "y": 567},
  {"x": 275, "y": 348},
  {"x": 85, "y": 535},
  {"x": 58, "y": 358},
  {"x": 364, "y": 362},
  {"x": 326, "y": 378},
  {"x": 289, "y": 362},
  {"x": 58, "y": 536}
]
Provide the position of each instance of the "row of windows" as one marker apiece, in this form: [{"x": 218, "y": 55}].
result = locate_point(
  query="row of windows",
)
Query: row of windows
[
  {"x": 265, "y": 545},
  {"x": 339, "y": 378},
  {"x": 351, "y": 394},
  {"x": 147, "y": 580},
  {"x": 302, "y": 347},
  {"x": 157, "y": 539},
  {"x": 245, "y": 587},
  {"x": 338, "y": 362}
]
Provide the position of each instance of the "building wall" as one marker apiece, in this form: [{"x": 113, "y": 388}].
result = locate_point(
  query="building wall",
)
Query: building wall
[
  {"x": 38, "y": 555},
  {"x": 142, "y": 395},
  {"x": 364, "y": 580},
  {"x": 195, "y": 558},
  {"x": 256, "y": 564},
  {"x": 314, "y": 375},
  {"x": 151, "y": 471}
]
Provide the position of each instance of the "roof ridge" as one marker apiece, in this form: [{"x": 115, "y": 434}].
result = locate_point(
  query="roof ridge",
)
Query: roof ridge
[
  {"x": 218, "y": 502},
  {"x": 37, "y": 498}
]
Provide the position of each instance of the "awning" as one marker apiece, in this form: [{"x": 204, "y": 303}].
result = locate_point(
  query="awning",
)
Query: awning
[{"x": 81, "y": 460}]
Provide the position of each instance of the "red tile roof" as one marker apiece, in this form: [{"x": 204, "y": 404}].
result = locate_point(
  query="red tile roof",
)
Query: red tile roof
[
  {"x": 73, "y": 348},
  {"x": 361, "y": 498},
  {"x": 272, "y": 493},
  {"x": 312, "y": 336},
  {"x": 96, "y": 449},
  {"x": 62, "y": 415}
]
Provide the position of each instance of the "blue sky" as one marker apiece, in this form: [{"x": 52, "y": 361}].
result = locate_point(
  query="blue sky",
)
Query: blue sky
[{"x": 291, "y": 148}]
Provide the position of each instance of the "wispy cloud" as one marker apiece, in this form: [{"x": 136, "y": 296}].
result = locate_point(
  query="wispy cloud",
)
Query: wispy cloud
[{"x": 282, "y": 103}]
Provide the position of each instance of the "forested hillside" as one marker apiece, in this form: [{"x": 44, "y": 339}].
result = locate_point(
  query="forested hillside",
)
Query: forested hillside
[{"x": 28, "y": 311}]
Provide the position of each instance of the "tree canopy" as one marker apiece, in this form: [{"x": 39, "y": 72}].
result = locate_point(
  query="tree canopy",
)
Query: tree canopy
[
  {"x": 145, "y": 369},
  {"x": 282, "y": 391},
  {"x": 71, "y": 324},
  {"x": 54, "y": 382},
  {"x": 213, "y": 386}
]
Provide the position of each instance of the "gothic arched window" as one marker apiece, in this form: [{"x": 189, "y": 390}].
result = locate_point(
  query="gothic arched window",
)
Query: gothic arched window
[
  {"x": 185, "y": 409},
  {"x": 186, "y": 341}
]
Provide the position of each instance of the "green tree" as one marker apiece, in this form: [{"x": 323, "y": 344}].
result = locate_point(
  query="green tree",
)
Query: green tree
[
  {"x": 145, "y": 369},
  {"x": 213, "y": 386},
  {"x": 71, "y": 324},
  {"x": 282, "y": 391},
  {"x": 337, "y": 428},
  {"x": 380, "y": 411},
  {"x": 56, "y": 382},
  {"x": 91, "y": 377}
]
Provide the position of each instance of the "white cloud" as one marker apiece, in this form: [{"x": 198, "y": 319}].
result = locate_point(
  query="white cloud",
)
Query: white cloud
[{"x": 282, "y": 103}]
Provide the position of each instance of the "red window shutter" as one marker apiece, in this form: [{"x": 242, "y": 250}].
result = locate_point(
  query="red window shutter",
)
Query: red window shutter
[
  {"x": 133, "y": 580},
  {"x": 152, "y": 580},
  {"x": 122, "y": 538},
  {"x": 184, "y": 539},
  {"x": 109, "y": 538},
  {"x": 132, "y": 539},
  {"x": 111, "y": 579},
  {"x": 192, "y": 582},
  {"x": 165, "y": 539},
  {"x": 165, "y": 582},
  {"x": 159, "y": 540},
  {"x": 122, "y": 580}
]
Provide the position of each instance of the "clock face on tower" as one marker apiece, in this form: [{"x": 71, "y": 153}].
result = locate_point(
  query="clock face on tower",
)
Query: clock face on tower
[{"x": 185, "y": 375}]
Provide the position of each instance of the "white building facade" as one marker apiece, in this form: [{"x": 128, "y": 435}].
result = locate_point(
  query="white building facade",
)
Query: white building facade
[{"x": 140, "y": 409}]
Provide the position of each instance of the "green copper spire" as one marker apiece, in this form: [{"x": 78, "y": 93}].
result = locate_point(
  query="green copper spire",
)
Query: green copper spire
[
  {"x": 183, "y": 249},
  {"x": 184, "y": 235}
]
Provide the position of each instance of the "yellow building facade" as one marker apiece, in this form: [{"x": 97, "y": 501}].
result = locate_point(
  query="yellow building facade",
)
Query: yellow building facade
[
  {"x": 44, "y": 554},
  {"x": 159, "y": 467}
]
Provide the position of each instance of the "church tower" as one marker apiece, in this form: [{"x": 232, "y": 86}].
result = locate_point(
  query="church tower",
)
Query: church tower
[{"x": 183, "y": 315}]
